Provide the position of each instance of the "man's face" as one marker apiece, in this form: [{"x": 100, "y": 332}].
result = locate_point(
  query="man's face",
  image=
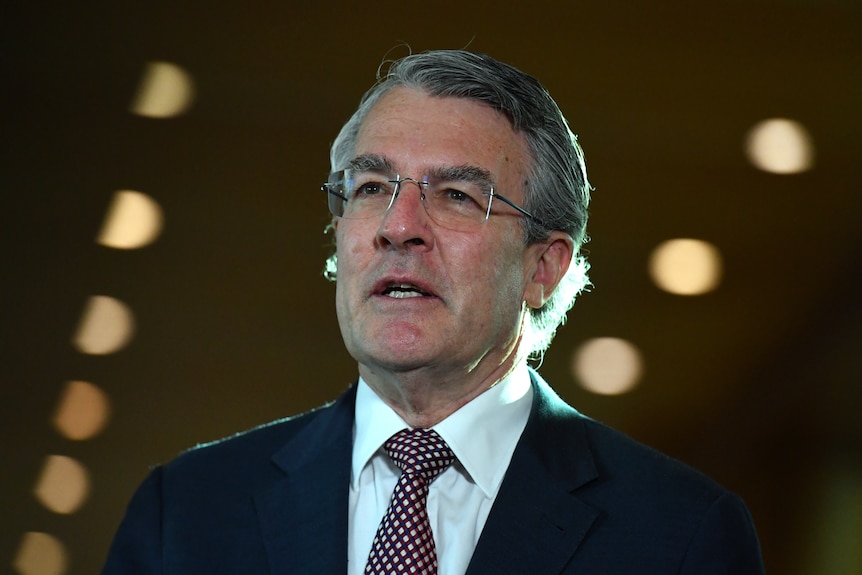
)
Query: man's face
[{"x": 472, "y": 283}]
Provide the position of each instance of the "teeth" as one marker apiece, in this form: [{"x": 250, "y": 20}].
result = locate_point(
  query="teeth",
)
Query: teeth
[
  {"x": 402, "y": 291},
  {"x": 403, "y": 294}
]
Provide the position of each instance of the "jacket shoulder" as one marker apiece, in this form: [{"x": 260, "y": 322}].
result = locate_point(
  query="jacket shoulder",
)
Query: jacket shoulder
[
  {"x": 621, "y": 464},
  {"x": 249, "y": 453}
]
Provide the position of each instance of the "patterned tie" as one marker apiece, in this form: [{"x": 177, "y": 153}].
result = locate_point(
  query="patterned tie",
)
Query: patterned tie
[{"x": 404, "y": 542}]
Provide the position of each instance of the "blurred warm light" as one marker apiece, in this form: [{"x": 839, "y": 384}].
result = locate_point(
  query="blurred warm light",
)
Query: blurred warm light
[
  {"x": 63, "y": 485},
  {"x": 106, "y": 326},
  {"x": 686, "y": 266},
  {"x": 133, "y": 221},
  {"x": 607, "y": 365},
  {"x": 40, "y": 554},
  {"x": 165, "y": 90},
  {"x": 780, "y": 146},
  {"x": 83, "y": 410}
]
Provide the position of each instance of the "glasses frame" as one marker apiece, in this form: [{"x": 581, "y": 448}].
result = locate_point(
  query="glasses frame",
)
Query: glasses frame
[{"x": 337, "y": 178}]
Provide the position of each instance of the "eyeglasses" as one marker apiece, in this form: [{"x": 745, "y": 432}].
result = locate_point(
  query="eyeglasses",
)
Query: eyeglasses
[{"x": 459, "y": 204}]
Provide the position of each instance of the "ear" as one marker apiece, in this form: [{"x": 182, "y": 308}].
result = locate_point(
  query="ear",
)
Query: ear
[{"x": 550, "y": 261}]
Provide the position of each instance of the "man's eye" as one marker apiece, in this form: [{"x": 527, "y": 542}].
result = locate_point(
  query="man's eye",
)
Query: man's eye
[
  {"x": 459, "y": 197},
  {"x": 368, "y": 189}
]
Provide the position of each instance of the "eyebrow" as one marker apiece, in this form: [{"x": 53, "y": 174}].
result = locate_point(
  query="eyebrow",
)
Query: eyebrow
[
  {"x": 462, "y": 173},
  {"x": 371, "y": 163}
]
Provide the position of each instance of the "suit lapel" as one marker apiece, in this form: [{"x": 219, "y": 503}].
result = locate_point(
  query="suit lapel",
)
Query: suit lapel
[
  {"x": 537, "y": 523},
  {"x": 303, "y": 518}
]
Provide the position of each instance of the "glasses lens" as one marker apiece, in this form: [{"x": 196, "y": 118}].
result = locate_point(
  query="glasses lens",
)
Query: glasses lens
[
  {"x": 368, "y": 193},
  {"x": 457, "y": 204},
  {"x": 334, "y": 187},
  {"x": 451, "y": 202}
]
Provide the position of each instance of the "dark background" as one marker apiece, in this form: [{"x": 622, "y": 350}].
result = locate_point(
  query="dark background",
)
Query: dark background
[{"x": 757, "y": 383}]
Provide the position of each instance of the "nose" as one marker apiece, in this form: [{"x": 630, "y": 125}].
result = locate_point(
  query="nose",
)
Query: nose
[{"x": 406, "y": 223}]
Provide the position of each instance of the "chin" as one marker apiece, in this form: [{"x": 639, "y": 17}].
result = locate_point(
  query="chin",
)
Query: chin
[{"x": 396, "y": 358}]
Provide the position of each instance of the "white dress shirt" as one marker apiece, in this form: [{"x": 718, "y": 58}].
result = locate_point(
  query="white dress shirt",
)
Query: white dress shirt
[{"x": 482, "y": 434}]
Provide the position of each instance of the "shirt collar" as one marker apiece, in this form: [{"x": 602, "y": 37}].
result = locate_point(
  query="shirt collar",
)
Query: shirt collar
[
  {"x": 375, "y": 423},
  {"x": 482, "y": 434}
]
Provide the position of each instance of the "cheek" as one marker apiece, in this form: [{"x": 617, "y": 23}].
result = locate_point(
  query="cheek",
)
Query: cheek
[
  {"x": 347, "y": 241},
  {"x": 492, "y": 277},
  {"x": 346, "y": 265}
]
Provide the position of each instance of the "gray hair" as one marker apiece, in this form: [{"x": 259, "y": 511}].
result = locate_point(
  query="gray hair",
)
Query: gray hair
[{"x": 557, "y": 191}]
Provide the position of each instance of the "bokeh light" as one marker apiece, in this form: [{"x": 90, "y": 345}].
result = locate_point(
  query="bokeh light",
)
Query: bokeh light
[
  {"x": 780, "y": 146},
  {"x": 106, "y": 326},
  {"x": 607, "y": 366},
  {"x": 686, "y": 266},
  {"x": 63, "y": 485},
  {"x": 166, "y": 90},
  {"x": 134, "y": 220},
  {"x": 40, "y": 554},
  {"x": 83, "y": 411}
]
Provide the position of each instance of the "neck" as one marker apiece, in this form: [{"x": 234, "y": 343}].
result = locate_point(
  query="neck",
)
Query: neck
[{"x": 424, "y": 398}]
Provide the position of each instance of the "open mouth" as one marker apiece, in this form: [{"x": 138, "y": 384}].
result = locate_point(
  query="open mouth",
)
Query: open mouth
[{"x": 402, "y": 291}]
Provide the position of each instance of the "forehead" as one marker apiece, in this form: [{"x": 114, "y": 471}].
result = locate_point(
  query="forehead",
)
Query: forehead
[{"x": 415, "y": 131}]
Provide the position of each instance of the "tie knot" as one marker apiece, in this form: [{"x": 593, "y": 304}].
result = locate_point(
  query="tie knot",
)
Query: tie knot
[{"x": 420, "y": 452}]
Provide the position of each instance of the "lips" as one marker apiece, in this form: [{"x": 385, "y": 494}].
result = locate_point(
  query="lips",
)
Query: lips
[{"x": 401, "y": 289}]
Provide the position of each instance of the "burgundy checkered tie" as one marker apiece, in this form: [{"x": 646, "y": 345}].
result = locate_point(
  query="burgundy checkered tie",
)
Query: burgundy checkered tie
[{"x": 404, "y": 542}]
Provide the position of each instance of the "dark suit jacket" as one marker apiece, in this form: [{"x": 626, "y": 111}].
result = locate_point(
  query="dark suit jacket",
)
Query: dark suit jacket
[{"x": 578, "y": 498}]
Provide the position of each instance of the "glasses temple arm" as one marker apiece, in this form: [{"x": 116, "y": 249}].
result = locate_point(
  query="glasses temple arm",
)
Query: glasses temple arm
[{"x": 516, "y": 206}]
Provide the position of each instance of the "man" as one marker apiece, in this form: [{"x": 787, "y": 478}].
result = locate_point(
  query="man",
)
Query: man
[{"x": 459, "y": 199}]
